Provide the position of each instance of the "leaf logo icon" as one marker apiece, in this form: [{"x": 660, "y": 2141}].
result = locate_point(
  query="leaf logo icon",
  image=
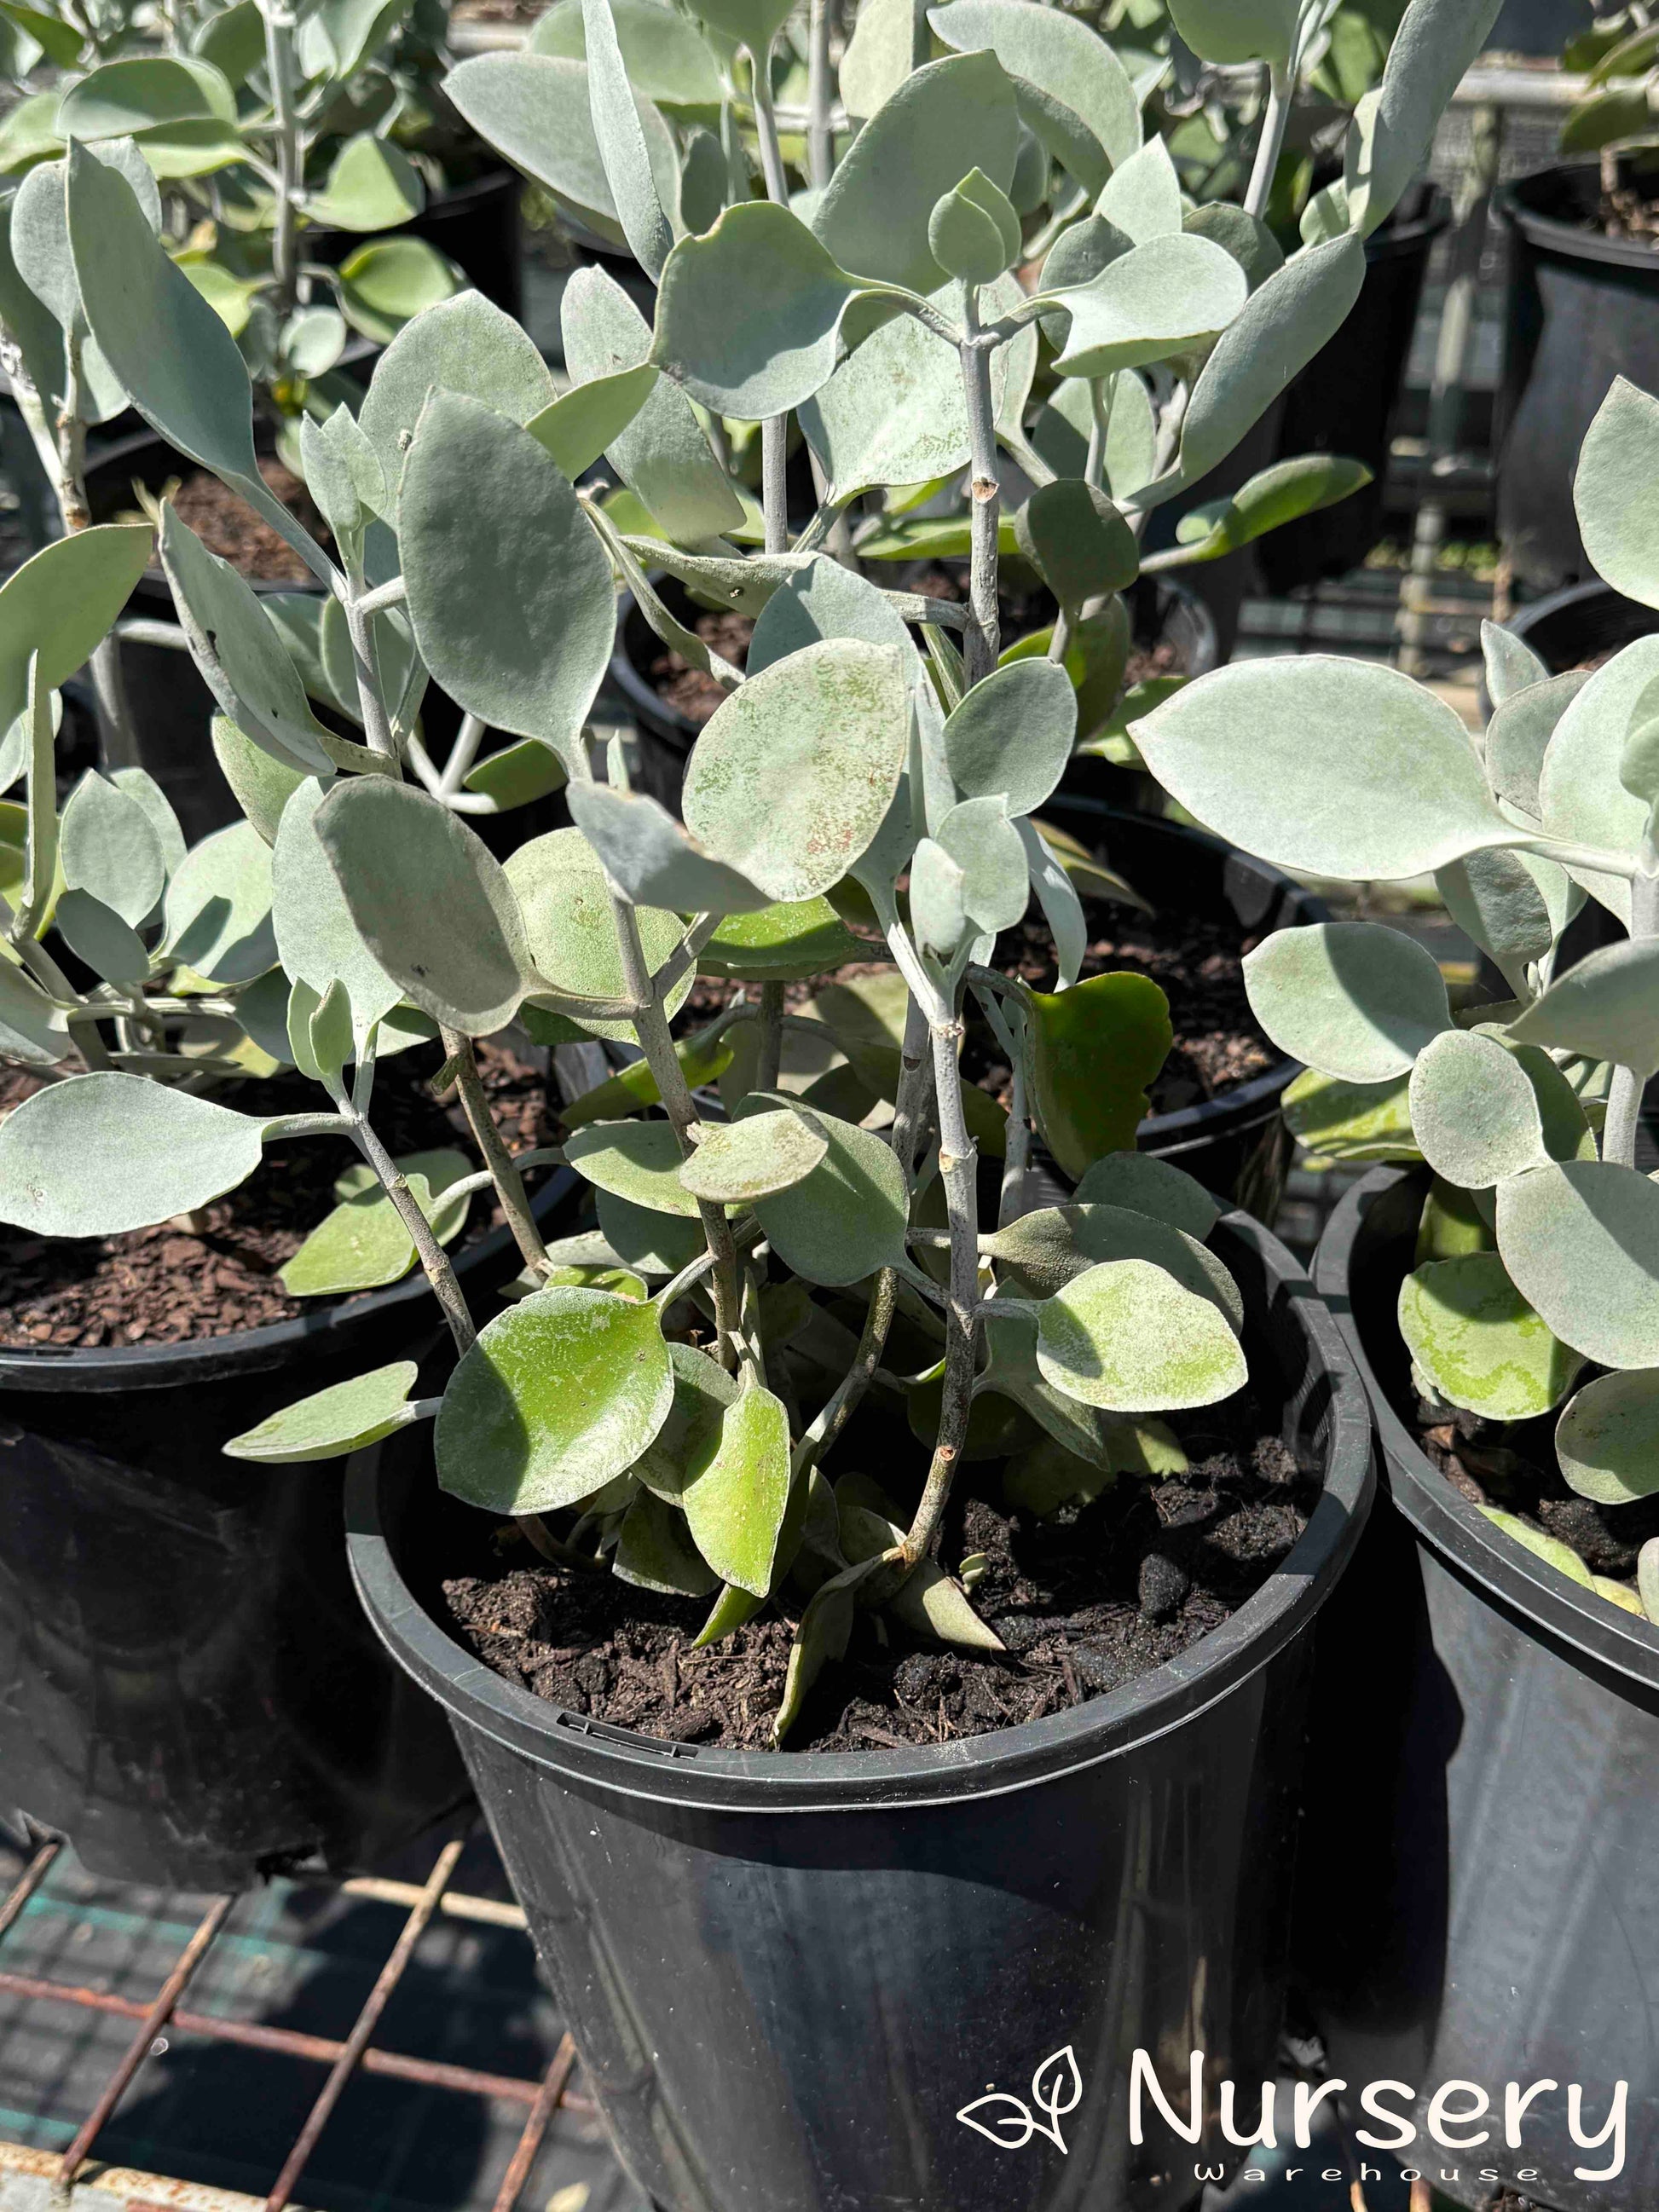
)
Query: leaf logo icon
[{"x": 1009, "y": 2122}]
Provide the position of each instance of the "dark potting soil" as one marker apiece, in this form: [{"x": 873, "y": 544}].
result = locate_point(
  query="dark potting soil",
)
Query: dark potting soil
[
  {"x": 228, "y": 526},
  {"x": 1514, "y": 1468},
  {"x": 1198, "y": 963},
  {"x": 1083, "y": 1603},
  {"x": 1629, "y": 214},
  {"x": 693, "y": 692},
  {"x": 217, "y": 1273}
]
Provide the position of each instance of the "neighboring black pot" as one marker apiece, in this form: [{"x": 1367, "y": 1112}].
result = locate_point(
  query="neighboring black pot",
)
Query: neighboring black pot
[
  {"x": 1222, "y": 585},
  {"x": 1160, "y": 608},
  {"x": 190, "y": 1692},
  {"x": 1585, "y": 621},
  {"x": 788, "y": 1973},
  {"x": 1479, "y": 1898},
  {"x": 1236, "y": 1145},
  {"x": 476, "y": 225},
  {"x": 1581, "y": 309},
  {"x": 1344, "y": 401}
]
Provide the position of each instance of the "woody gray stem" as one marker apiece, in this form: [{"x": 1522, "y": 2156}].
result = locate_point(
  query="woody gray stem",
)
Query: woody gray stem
[
  {"x": 981, "y": 641},
  {"x": 503, "y": 1169},
  {"x": 435, "y": 1261}
]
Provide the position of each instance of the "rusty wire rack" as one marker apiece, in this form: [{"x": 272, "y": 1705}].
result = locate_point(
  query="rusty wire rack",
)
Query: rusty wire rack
[{"x": 540, "y": 2098}]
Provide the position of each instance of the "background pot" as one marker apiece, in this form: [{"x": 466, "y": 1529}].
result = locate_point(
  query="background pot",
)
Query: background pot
[
  {"x": 1222, "y": 585},
  {"x": 1345, "y": 400},
  {"x": 476, "y": 225},
  {"x": 1581, "y": 309},
  {"x": 1481, "y": 1901},
  {"x": 1160, "y": 608},
  {"x": 787, "y": 1974},
  {"x": 1235, "y": 1144},
  {"x": 190, "y": 1693}
]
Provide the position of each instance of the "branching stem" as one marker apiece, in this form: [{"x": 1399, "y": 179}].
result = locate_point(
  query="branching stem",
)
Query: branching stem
[
  {"x": 503, "y": 1169},
  {"x": 982, "y": 639}
]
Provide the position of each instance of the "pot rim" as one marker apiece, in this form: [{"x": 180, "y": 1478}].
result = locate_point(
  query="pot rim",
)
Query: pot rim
[
  {"x": 1442, "y": 1516},
  {"x": 621, "y": 1760},
  {"x": 1572, "y": 240},
  {"x": 108, "y": 1368}
]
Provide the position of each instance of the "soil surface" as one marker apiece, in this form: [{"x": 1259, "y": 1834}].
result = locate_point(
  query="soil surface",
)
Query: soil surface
[
  {"x": 228, "y": 525},
  {"x": 1083, "y": 1603},
  {"x": 1198, "y": 963},
  {"x": 1514, "y": 1467},
  {"x": 1631, "y": 215},
  {"x": 693, "y": 692},
  {"x": 216, "y": 1274}
]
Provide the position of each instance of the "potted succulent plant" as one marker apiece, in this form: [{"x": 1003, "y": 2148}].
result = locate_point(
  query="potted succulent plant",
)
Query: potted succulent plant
[
  {"x": 228, "y": 1712},
  {"x": 1582, "y": 301},
  {"x": 1502, "y": 1290}
]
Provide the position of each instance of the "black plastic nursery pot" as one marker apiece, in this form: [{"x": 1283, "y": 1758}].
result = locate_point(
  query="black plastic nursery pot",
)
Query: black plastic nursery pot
[
  {"x": 1236, "y": 1144},
  {"x": 1582, "y": 623},
  {"x": 1161, "y": 610},
  {"x": 789, "y": 1973},
  {"x": 187, "y": 1688},
  {"x": 1480, "y": 1891},
  {"x": 1581, "y": 309},
  {"x": 476, "y": 225},
  {"x": 1344, "y": 401}
]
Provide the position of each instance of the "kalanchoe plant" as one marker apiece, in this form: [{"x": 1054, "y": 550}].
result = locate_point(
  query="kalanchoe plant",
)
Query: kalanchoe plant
[
  {"x": 661, "y": 1399},
  {"x": 1618, "y": 110},
  {"x": 1538, "y": 1281}
]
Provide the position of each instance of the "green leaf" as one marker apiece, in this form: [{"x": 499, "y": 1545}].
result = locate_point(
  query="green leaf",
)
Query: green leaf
[
  {"x": 1518, "y": 737},
  {"x": 59, "y": 41},
  {"x": 1142, "y": 197},
  {"x": 848, "y": 1217},
  {"x": 666, "y": 58},
  {"x": 1480, "y": 1343},
  {"x": 1150, "y": 1186},
  {"x": 517, "y": 622},
  {"x": 577, "y": 428},
  {"x": 534, "y": 108},
  {"x": 1606, "y": 1007},
  {"x": 701, "y": 1059},
  {"x": 218, "y": 913},
  {"x": 691, "y": 1435},
  {"x": 880, "y": 54},
  {"x": 1580, "y": 1241},
  {"x": 1352, "y": 998},
  {"x": 753, "y": 24},
  {"x": 734, "y": 1499},
  {"x": 1511, "y": 664},
  {"x": 1607, "y": 1438},
  {"x": 430, "y": 900},
  {"x": 1012, "y": 734},
  {"x": 1406, "y": 790},
  {"x": 329, "y": 1424},
  {"x": 98, "y": 935},
  {"x": 1231, "y": 31},
  {"x": 362, "y": 1244},
  {"x": 518, "y": 775},
  {"x": 1127, "y": 1337},
  {"x": 466, "y": 344},
  {"x": 140, "y": 91},
  {"x": 792, "y": 775},
  {"x": 1549, "y": 1549},
  {"x": 373, "y": 185},
  {"x": 1077, "y": 539},
  {"x": 945, "y": 119},
  {"x": 1249, "y": 241},
  {"x": 1277, "y": 496},
  {"x": 316, "y": 938},
  {"x": 571, "y": 932},
  {"x": 979, "y": 839},
  {"x": 656, "y": 862},
  {"x": 98, "y": 1155},
  {"x": 621, "y": 140},
  {"x": 559, "y": 1393},
  {"x": 28, "y": 132},
  {"x": 1581, "y": 793},
  {"x": 164, "y": 344},
  {"x": 384, "y": 285},
  {"x": 654, "y": 1551},
  {"x": 749, "y": 315},
  {"x": 927, "y": 1601},
  {"x": 1620, "y": 454},
  {"x": 820, "y": 1638},
  {"x": 1452, "y": 1224},
  {"x": 62, "y": 603},
  {"x": 1166, "y": 297},
  {"x": 1096, "y": 1049},
  {"x": 108, "y": 846},
  {"x": 893, "y": 412},
  {"x": 822, "y": 600},
  {"x": 782, "y": 944},
  {"x": 1436, "y": 44},
  {"x": 738, "y": 1162},
  {"x": 1352, "y": 1122},
  {"x": 1041, "y": 1252},
  {"x": 1474, "y": 1111},
  {"x": 639, "y": 1161},
  {"x": 1279, "y": 329},
  {"x": 655, "y": 1244},
  {"x": 1073, "y": 92},
  {"x": 973, "y": 232},
  {"x": 1513, "y": 905}
]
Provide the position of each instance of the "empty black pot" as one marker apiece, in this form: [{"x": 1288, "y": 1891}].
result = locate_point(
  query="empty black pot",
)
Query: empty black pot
[
  {"x": 1581, "y": 309},
  {"x": 1344, "y": 401},
  {"x": 190, "y": 1692},
  {"x": 788, "y": 1974},
  {"x": 1479, "y": 1898}
]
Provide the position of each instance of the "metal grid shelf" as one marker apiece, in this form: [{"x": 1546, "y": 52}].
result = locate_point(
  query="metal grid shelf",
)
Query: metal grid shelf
[{"x": 79, "y": 2049}]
